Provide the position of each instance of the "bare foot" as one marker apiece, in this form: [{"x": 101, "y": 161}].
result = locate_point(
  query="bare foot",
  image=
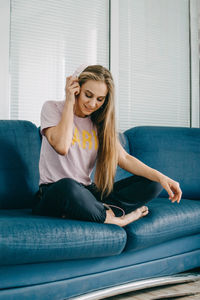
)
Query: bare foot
[{"x": 128, "y": 218}]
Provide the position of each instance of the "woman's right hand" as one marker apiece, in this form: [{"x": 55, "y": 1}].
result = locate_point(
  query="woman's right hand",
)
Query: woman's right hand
[{"x": 72, "y": 88}]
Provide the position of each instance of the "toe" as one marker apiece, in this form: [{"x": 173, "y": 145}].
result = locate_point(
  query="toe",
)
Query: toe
[
  {"x": 144, "y": 208},
  {"x": 145, "y": 213}
]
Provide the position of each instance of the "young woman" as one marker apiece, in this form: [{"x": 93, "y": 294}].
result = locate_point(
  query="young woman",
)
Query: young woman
[{"x": 79, "y": 132}]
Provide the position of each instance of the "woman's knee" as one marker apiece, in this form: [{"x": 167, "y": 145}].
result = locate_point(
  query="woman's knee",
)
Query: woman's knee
[
  {"x": 78, "y": 202},
  {"x": 74, "y": 201},
  {"x": 56, "y": 197},
  {"x": 155, "y": 188},
  {"x": 151, "y": 187}
]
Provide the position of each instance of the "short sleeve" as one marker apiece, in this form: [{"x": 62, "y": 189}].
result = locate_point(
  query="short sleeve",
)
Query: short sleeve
[{"x": 50, "y": 115}]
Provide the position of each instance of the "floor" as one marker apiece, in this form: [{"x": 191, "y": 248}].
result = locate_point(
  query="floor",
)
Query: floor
[{"x": 182, "y": 291}]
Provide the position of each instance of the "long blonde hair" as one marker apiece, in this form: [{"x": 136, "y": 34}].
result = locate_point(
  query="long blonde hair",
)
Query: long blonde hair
[{"x": 104, "y": 119}]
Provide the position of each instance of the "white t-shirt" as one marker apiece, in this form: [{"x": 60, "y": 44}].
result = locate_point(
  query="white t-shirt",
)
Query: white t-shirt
[{"x": 79, "y": 162}]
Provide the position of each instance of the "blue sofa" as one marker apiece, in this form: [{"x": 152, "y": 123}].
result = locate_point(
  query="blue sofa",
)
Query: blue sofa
[{"x": 50, "y": 258}]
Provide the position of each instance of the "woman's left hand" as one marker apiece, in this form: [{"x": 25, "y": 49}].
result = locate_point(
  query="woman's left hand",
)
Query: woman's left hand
[{"x": 172, "y": 187}]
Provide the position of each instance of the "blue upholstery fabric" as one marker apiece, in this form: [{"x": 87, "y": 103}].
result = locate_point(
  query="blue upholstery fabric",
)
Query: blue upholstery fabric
[
  {"x": 25, "y": 238},
  {"x": 19, "y": 153},
  {"x": 67, "y": 288},
  {"x": 121, "y": 173},
  {"x": 165, "y": 221},
  {"x": 173, "y": 151},
  {"x": 30, "y": 274},
  {"x": 60, "y": 280}
]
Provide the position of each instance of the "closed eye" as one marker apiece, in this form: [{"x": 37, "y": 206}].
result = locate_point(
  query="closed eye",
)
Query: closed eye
[{"x": 90, "y": 96}]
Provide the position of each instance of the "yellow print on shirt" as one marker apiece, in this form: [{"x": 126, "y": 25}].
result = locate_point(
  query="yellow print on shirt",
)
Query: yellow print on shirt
[{"x": 86, "y": 137}]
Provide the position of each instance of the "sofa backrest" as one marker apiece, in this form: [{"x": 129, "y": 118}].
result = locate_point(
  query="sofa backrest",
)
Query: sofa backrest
[
  {"x": 19, "y": 158},
  {"x": 173, "y": 151},
  {"x": 121, "y": 173}
]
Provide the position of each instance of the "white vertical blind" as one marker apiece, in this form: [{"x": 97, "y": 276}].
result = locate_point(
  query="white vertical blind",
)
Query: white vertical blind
[
  {"x": 194, "y": 41},
  {"x": 154, "y": 70},
  {"x": 4, "y": 58},
  {"x": 49, "y": 40}
]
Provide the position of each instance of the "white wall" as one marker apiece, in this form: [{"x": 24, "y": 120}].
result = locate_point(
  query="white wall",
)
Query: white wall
[
  {"x": 4, "y": 58},
  {"x": 194, "y": 26}
]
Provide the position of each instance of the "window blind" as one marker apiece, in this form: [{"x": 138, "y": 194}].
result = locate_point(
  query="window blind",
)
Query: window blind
[
  {"x": 154, "y": 69},
  {"x": 48, "y": 40}
]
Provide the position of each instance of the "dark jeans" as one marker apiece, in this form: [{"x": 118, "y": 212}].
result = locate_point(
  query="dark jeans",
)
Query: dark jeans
[{"x": 77, "y": 201}]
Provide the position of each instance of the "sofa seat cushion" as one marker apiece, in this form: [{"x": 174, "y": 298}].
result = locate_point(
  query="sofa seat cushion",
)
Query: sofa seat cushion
[
  {"x": 165, "y": 221},
  {"x": 27, "y": 238}
]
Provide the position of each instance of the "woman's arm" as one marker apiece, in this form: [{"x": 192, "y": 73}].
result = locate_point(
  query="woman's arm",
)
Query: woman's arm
[
  {"x": 135, "y": 166},
  {"x": 60, "y": 136}
]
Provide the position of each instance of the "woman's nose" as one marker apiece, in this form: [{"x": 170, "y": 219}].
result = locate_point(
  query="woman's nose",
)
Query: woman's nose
[{"x": 92, "y": 103}]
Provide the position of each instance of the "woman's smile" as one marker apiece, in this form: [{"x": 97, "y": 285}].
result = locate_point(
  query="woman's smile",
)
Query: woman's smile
[{"x": 90, "y": 109}]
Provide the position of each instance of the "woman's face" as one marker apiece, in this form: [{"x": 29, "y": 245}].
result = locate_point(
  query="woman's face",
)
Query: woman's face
[{"x": 91, "y": 98}]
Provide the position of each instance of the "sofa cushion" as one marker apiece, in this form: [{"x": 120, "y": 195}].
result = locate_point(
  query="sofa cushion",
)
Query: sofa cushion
[
  {"x": 174, "y": 151},
  {"x": 19, "y": 172},
  {"x": 165, "y": 221},
  {"x": 26, "y": 238},
  {"x": 136, "y": 264}
]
